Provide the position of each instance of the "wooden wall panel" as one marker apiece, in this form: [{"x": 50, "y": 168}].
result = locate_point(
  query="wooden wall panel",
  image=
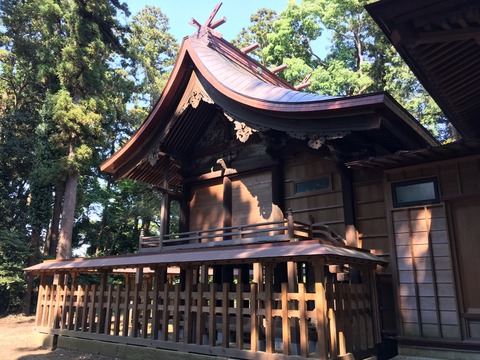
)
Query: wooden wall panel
[
  {"x": 456, "y": 178},
  {"x": 371, "y": 215},
  {"x": 206, "y": 207},
  {"x": 469, "y": 177},
  {"x": 324, "y": 206},
  {"x": 466, "y": 227},
  {"x": 252, "y": 199}
]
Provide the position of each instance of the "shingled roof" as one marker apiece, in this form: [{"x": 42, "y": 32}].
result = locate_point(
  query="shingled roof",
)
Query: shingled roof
[{"x": 212, "y": 76}]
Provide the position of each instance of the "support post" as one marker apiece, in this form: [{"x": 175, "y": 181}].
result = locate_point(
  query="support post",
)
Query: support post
[
  {"x": 269, "y": 326},
  {"x": 320, "y": 307}
]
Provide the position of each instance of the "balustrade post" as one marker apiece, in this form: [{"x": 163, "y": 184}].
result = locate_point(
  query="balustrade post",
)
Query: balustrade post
[
  {"x": 291, "y": 231},
  {"x": 140, "y": 239}
]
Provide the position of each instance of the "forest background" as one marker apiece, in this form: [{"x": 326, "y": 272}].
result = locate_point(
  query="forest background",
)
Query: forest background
[{"x": 78, "y": 77}]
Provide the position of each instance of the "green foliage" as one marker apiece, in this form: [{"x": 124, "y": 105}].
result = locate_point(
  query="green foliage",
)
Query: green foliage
[
  {"x": 261, "y": 25},
  {"x": 360, "y": 59},
  {"x": 14, "y": 252},
  {"x": 153, "y": 50}
]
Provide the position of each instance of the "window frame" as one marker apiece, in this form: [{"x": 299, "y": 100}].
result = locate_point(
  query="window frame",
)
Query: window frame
[
  {"x": 398, "y": 184},
  {"x": 316, "y": 178}
]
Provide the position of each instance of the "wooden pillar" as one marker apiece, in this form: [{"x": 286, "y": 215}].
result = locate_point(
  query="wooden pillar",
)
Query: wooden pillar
[
  {"x": 348, "y": 197},
  {"x": 225, "y": 315},
  {"x": 145, "y": 311},
  {"x": 253, "y": 317},
  {"x": 166, "y": 312},
  {"x": 101, "y": 298},
  {"x": 203, "y": 278},
  {"x": 165, "y": 206},
  {"x": 257, "y": 273},
  {"x": 320, "y": 308},
  {"x": 116, "y": 310},
  {"x": 184, "y": 225},
  {"x": 292, "y": 275},
  {"x": 201, "y": 316},
  {"x": 285, "y": 320},
  {"x": 239, "y": 312},
  {"x": 227, "y": 204},
  {"x": 176, "y": 314},
  {"x": 91, "y": 308},
  {"x": 269, "y": 320},
  {"x": 278, "y": 203},
  {"x": 126, "y": 307},
  {"x": 108, "y": 312},
  {"x": 59, "y": 292},
  {"x": 136, "y": 298},
  {"x": 212, "y": 316},
  {"x": 42, "y": 300},
  {"x": 187, "y": 328},
  {"x": 159, "y": 276},
  {"x": 303, "y": 326}
]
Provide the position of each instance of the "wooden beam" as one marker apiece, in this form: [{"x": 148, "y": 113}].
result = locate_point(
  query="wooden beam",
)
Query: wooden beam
[
  {"x": 208, "y": 23},
  {"x": 250, "y": 48},
  {"x": 218, "y": 22},
  {"x": 279, "y": 68},
  {"x": 195, "y": 23}
]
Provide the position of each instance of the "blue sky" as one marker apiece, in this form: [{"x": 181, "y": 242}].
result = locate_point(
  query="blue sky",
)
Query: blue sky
[{"x": 180, "y": 12}]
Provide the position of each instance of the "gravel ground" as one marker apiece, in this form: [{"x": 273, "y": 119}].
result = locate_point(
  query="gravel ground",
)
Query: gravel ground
[{"x": 17, "y": 339}]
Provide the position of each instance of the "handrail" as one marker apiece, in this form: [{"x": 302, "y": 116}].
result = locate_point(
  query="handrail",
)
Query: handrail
[
  {"x": 271, "y": 231},
  {"x": 275, "y": 231}
]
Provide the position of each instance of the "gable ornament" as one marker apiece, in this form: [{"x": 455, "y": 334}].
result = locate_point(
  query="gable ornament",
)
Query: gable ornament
[
  {"x": 242, "y": 130},
  {"x": 194, "y": 99},
  {"x": 316, "y": 140}
]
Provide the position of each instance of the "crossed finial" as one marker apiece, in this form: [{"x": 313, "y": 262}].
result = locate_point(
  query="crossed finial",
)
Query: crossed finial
[{"x": 208, "y": 23}]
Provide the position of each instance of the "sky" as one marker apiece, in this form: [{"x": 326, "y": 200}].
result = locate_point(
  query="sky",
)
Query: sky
[{"x": 180, "y": 12}]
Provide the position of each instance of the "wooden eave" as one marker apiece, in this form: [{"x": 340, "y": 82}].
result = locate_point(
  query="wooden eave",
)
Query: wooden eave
[
  {"x": 454, "y": 150},
  {"x": 249, "y": 93},
  {"x": 440, "y": 42}
]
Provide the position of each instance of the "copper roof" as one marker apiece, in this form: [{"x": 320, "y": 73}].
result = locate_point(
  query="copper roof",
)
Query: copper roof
[
  {"x": 440, "y": 41},
  {"x": 247, "y": 254},
  {"x": 230, "y": 82}
]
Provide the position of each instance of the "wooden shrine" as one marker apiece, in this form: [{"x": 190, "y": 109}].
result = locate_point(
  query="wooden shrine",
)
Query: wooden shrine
[{"x": 301, "y": 231}]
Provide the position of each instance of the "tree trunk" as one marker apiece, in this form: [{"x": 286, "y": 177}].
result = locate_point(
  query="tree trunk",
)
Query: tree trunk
[
  {"x": 51, "y": 240},
  {"x": 64, "y": 250}
]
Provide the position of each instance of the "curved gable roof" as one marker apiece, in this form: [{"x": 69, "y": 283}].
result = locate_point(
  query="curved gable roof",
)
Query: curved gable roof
[{"x": 250, "y": 93}]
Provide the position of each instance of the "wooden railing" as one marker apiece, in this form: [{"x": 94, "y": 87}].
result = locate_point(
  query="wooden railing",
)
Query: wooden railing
[
  {"x": 283, "y": 230},
  {"x": 329, "y": 319}
]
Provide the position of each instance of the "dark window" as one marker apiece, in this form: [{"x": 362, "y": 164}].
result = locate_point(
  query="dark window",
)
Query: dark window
[
  {"x": 313, "y": 185},
  {"x": 416, "y": 192}
]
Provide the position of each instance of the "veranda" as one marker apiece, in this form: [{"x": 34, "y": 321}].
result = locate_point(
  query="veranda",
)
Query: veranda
[{"x": 266, "y": 301}]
